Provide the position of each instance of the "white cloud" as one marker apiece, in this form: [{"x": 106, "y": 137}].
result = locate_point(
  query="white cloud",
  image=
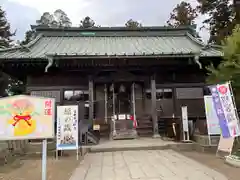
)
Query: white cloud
[{"x": 73, "y": 8}]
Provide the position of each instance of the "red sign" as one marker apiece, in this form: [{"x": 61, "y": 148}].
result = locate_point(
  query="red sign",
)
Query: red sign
[
  {"x": 222, "y": 89},
  {"x": 48, "y": 108}
]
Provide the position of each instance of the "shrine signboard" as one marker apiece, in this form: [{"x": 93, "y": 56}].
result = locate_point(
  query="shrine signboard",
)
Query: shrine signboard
[
  {"x": 26, "y": 117},
  {"x": 225, "y": 109}
]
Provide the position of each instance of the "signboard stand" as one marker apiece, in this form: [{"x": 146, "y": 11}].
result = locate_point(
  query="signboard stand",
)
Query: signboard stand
[
  {"x": 225, "y": 145},
  {"x": 185, "y": 124},
  {"x": 44, "y": 159}
]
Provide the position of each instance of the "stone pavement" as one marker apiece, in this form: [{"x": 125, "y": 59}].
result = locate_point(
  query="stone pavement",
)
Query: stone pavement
[{"x": 142, "y": 165}]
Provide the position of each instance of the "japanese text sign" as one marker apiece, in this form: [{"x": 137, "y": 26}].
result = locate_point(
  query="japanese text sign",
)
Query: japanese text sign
[
  {"x": 26, "y": 117},
  {"x": 225, "y": 109}
]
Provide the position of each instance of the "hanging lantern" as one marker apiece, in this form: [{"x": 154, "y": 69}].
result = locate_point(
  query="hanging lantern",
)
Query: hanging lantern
[
  {"x": 111, "y": 88},
  {"x": 122, "y": 88}
]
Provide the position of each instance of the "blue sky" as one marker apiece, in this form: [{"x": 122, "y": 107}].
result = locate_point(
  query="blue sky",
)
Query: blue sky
[{"x": 22, "y": 13}]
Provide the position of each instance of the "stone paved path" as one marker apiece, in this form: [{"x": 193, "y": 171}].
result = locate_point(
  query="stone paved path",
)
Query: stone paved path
[{"x": 142, "y": 165}]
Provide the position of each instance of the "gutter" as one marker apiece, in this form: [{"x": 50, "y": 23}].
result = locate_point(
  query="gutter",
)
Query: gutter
[
  {"x": 50, "y": 63},
  {"x": 196, "y": 60}
]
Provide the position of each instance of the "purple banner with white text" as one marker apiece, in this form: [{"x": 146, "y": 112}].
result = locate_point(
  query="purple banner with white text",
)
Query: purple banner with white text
[{"x": 225, "y": 109}]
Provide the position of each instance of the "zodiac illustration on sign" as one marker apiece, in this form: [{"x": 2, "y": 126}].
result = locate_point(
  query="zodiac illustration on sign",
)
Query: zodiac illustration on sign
[{"x": 21, "y": 112}]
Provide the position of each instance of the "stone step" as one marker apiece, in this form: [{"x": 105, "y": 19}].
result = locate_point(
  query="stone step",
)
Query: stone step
[
  {"x": 144, "y": 127},
  {"x": 142, "y": 146}
]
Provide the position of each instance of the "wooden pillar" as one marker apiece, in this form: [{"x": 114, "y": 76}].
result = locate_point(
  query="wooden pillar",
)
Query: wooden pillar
[
  {"x": 154, "y": 108},
  {"x": 174, "y": 98},
  {"x": 91, "y": 101},
  {"x": 106, "y": 103}
]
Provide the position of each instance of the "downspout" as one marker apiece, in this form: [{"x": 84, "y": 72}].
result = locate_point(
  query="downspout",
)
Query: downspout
[
  {"x": 196, "y": 60},
  {"x": 50, "y": 63}
]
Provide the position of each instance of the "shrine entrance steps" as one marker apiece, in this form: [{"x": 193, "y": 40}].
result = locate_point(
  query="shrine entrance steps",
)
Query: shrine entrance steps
[{"x": 139, "y": 144}]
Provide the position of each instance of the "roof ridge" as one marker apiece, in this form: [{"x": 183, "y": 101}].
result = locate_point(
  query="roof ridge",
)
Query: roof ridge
[
  {"x": 27, "y": 46},
  {"x": 163, "y": 28},
  {"x": 195, "y": 39},
  {"x": 205, "y": 46}
]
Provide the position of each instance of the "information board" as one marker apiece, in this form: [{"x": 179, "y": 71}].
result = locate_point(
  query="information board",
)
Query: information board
[
  {"x": 67, "y": 128},
  {"x": 26, "y": 117}
]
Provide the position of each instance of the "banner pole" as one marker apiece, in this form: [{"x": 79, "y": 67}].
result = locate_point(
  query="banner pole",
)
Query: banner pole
[
  {"x": 209, "y": 139},
  {"x": 235, "y": 108},
  {"x": 77, "y": 153},
  {"x": 233, "y": 99},
  {"x": 44, "y": 159}
]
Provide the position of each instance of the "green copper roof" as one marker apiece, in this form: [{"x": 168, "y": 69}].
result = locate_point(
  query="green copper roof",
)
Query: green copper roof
[{"x": 105, "y": 44}]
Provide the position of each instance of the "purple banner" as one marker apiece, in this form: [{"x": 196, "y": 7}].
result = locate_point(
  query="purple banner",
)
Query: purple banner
[{"x": 220, "y": 112}]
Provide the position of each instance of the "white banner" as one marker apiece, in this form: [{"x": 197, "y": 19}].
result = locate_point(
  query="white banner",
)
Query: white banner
[
  {"x": 211, "y": 117},
  {"x": 67, "y": 128},
  {"x": 185, "y": 118}
]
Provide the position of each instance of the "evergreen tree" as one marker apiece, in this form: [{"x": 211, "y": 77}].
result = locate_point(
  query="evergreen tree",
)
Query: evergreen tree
[
  {"x": 236, "y": 4},
  {"x": 29, "y": 36},
  {"x": 87, "y": 22},
  {"x": 133, "y": 24},
  {"x": 229, "y": 68},
  {"x": 222, "y": 18},
  {"x": 46, "y": 19},
  {"x": 62, "y": 19},
  {"x": 183, "y": 15},
  {"x": 5, "y": 33}
]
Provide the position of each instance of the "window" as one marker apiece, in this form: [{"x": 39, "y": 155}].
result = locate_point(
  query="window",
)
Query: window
[
  {"x": 49, "y": 94},
  {"x": 76, "y": 95},
  {"x": 189, "y": 93},
  {"x": 160, "y": 94},
  {"x": 148, "y": 94},
  {"x": 164, "y": 94},
  {"x": 206, "y": 91}
]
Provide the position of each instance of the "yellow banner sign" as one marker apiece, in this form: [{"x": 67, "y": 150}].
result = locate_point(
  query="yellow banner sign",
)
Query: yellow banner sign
[{"x": 26, "y": 117}]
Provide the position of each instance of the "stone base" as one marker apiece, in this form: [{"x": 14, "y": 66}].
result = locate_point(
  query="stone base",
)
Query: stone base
[
  {"x": 232, "y": 161},
  {"x": 128, "y": 134},
  {"x": 205, "y": 149},
  {"x": 156, "y": 136},
  {"x": 204, "y": 140}
]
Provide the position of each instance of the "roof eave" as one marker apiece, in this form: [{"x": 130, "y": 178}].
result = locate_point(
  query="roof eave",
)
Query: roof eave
[{"x": 57, "y": 56}]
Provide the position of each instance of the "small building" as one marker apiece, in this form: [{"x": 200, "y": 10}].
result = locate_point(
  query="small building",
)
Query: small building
[{"x": 117, "y": 74}]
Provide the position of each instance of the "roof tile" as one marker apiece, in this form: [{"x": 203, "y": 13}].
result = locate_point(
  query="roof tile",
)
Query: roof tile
[{"x": 110, "y": 46}]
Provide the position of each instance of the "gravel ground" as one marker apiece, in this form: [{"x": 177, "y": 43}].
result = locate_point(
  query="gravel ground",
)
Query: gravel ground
[
  {"x": 216, "y": 163},
  {"x": 27, "y": 169}
]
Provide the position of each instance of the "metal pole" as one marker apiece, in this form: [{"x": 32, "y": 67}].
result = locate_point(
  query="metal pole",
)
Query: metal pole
[{"x": 44, "y": 159}]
